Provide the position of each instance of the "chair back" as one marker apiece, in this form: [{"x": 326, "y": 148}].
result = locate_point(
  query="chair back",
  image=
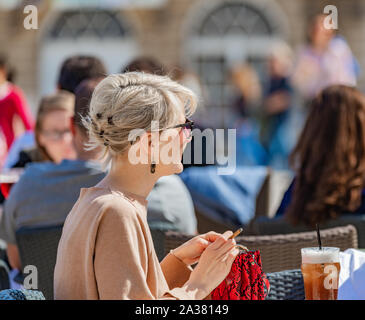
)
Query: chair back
[
  {"x": 206, "y": 224},
  {"x": 286, "y": 285},
  {"x": 23, "y": 294},
  {"x": 264, "y": 226},
  {"x": 38, "y": 247},
  {"x": 4, "y": 275},
  {"x": 282, "y": 252}
]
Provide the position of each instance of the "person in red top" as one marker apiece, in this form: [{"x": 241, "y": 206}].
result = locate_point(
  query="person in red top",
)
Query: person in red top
[{"x": 15, "y": 117}]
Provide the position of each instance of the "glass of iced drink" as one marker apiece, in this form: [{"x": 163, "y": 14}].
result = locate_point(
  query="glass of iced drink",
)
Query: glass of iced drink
[{"x": 321, "y": 271}]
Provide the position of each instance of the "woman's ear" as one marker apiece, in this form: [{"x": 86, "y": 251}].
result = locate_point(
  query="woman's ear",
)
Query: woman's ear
[{"x": 145, "y": 142}]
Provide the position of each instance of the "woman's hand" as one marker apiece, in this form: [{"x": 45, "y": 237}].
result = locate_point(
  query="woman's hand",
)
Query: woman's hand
[
  {"x": 190, "y": 251},
  {"x": 214, "y": 265}
]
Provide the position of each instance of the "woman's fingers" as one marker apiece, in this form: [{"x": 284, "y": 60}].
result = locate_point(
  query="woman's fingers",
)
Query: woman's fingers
[
  {"x": 227, "y": 234},
  {"x": 224, "y": 249},
  {"x": 211, "y": 236},
  {"x": 218, "y": 243},
  {"x": 232, "y": 255},
  {"x": 221, "y": 240}
]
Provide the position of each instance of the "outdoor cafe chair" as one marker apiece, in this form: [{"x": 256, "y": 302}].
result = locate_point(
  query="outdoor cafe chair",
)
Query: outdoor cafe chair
[
  {"x": 38, "y": 247},
  {"x": 282, "y": 252},
  {"x": 286, "y": 285},
  {"x": 266, "y": 226},
  {"x": 22, "y": 294}
]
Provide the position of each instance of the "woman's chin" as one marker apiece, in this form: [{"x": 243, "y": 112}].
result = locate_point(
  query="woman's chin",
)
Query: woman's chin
[
  {"x": 170, "y": 169},
  {"x": 177, "y": 168},
  {"x": 181, "y": 167}
]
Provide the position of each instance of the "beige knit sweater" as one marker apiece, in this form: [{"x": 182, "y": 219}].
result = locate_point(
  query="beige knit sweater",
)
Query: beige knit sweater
[{"x": 106, "y": 252}]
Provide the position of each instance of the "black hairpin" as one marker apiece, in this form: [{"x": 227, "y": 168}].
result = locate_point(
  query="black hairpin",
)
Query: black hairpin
[
  {"x": 101, "y": 133},
  {"x": 110, "y": 120},
  {"x": 98, "y": 115},
  {"x": 93, "y": 123},
  {"x": 106, "y": 144}
]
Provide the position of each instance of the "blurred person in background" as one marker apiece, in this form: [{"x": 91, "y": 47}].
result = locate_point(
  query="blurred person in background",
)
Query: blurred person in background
[
  {"x": 73, "y": 71},
  {"x": 191, "y": 80},
  {"x": 329, "y": 160},
  {"x": 15, "y": 117},
  {"x": 325, "y": 60},
  {"x": 3, "y": 154},
  {"x": 248, "y": 91},
  {"x": 52, "y": 134},
  {"x": 77, "y": 68},
  {"x": 52, "y": 131},
  {"x": 145, "y": 64},
  {"x": 277, "y": 103},
  {"x": 35, "y": 200},
  {"x": 246, "y": 112}
]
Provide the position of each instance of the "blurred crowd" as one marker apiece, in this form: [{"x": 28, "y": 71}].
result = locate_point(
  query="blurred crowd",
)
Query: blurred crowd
[{"x": 267, "y": 111}]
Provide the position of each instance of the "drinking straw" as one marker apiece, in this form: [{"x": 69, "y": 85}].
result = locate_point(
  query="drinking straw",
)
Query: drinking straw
[{"x": 319, "y": 237}]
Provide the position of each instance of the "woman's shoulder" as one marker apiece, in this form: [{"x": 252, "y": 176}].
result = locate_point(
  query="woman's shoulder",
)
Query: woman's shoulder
[
  {"x": 15, "y": 91},
  {"x": 115, "y": 205}
]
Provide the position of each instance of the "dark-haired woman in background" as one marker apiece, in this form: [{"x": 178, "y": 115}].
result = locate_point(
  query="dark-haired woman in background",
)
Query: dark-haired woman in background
[{"x": 329, "y": 160}]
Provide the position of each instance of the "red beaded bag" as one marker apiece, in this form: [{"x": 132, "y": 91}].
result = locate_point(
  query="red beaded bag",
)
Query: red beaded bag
[{"x": 246, "y": 280}]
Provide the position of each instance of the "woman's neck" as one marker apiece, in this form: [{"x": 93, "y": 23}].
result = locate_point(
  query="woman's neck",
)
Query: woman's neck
[{"x": 136, "y": 179}]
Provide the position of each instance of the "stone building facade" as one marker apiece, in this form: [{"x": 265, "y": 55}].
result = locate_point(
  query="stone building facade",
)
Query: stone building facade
[{"x": 203, "y": 35}]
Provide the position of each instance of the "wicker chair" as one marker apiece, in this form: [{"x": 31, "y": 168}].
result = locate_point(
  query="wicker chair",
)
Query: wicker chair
[
  {"x": 206, "y": 224},
  {"x": 38, "y": 247},
  {"x": 264, "y": 226},
  {"x": 286, "y": 285},
  {"x": 4, "y": 275},
  {"x": 282, "y": 252},
  {"x": 23, "y": 294}
]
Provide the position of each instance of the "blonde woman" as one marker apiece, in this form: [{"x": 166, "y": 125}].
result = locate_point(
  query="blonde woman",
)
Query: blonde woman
[{"x": 106, "y": 249}]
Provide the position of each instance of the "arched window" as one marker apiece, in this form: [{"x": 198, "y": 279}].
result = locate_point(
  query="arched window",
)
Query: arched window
[
  {"x": 98, "y": 32},
  {"x": 89, "y": 23},
  {"x": 222, "y": 35},
  {"x": 235, "y": 18}
]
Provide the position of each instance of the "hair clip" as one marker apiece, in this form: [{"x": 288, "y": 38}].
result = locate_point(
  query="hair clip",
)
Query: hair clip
[
  {"x": 110, "y": 120},
  {"x": 92, "y": 122},
  {"x": 106, "y": 144},
  {"x": 101, "y": 133},
  {"x": 98, "y": 115}
]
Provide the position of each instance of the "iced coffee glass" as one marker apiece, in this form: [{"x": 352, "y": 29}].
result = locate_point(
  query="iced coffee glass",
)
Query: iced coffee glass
[{"x": 321, "y": 270}]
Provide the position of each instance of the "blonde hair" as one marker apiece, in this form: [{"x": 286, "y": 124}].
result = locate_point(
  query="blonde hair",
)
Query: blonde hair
[
  {"x": 124, "y": 103},
  {"x": 60, "y": 101}
]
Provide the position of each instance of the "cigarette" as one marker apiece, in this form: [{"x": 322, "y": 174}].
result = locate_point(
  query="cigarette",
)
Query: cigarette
[{"x": 236, "y": 233}]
